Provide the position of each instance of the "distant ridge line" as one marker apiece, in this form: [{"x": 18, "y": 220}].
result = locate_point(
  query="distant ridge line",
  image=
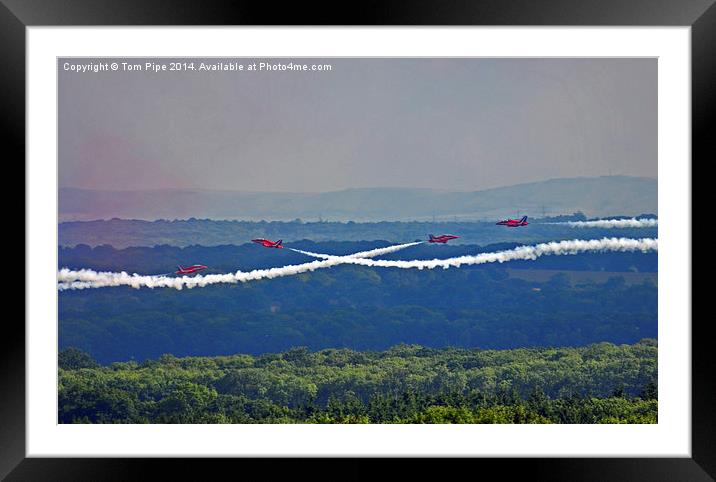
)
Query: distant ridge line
[{"x": 594, "y": 196}]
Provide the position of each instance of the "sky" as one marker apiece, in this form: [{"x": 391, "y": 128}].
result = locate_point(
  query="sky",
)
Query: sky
[{"x": 453, "y": 124}]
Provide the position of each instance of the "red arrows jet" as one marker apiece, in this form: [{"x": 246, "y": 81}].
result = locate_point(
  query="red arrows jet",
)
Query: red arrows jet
[
  {"x": 267, "y": 243},
  {"x": 514, "y": 223},
  {"x": 190, "y": 269},
  {"x": 443, "y": 238}
]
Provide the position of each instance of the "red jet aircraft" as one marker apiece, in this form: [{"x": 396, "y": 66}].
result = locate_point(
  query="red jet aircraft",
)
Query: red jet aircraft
[
  {"x": 443, "y": 238},
  {"x": 514, "y": 223},
  {"x": 190, "y": 269},
  {"x": 267, "y": 243}
]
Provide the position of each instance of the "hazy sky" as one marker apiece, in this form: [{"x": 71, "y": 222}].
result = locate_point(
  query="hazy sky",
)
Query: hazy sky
[{"x": 460, "y": 124}]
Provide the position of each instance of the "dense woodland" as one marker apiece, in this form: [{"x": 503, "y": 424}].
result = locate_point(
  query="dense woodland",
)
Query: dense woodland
[
  {"x": 468, "y": 345},
  {"x": 600, "y": 383}
]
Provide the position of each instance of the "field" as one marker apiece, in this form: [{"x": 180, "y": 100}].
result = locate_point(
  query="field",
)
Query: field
[{"x": 577, "y": 277}]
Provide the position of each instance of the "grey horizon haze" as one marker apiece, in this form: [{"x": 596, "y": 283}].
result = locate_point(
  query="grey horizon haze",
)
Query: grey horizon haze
[{"x": 459, "y": 124}]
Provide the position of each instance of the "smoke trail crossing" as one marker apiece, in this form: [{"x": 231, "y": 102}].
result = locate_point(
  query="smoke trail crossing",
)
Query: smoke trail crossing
[
  {"x": 613, "y": 223},
  {"x": 85, "y": 278},
  {"x": 362, "y": 254}
]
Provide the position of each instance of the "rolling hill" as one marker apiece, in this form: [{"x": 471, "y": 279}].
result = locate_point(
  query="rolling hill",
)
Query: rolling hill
[{"x": 594, "y": 196}]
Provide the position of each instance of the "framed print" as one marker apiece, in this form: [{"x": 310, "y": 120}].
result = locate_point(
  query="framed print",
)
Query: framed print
[{"x": 454, "y": 232}]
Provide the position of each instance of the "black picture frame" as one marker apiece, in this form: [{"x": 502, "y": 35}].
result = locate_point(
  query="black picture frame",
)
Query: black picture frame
[{"x": 16, "y": 15}]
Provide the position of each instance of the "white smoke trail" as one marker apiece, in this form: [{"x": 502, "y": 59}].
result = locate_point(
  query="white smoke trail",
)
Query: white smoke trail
[
  {"x": 93, "y": 279},
  {"x": 361, "y": 254},
  {"x": 85, "y": 278},
  {"x": 574, "y": 246},
  {"x": 613, "y": 223}
]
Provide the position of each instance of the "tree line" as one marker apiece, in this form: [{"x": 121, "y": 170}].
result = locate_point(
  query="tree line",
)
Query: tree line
[{"x": 599, "y": 383}]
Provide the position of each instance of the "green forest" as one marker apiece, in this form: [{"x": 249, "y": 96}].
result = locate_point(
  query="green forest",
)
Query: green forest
[
  {"x": 598, "y": 383},
  {"x": 560, "y": 339}
]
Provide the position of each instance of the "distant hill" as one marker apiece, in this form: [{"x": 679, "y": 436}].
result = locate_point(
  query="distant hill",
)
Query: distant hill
[{"x": 594, "y": 196}]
